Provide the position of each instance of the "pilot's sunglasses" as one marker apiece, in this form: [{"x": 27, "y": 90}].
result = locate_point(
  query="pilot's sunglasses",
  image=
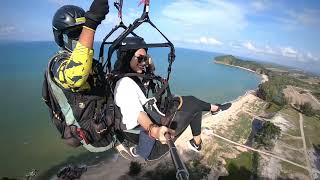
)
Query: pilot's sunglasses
[{"x": 142, "y": 58}]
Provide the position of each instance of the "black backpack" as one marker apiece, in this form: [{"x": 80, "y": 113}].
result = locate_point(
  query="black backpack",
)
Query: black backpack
[{"x": 90, "y": 119}]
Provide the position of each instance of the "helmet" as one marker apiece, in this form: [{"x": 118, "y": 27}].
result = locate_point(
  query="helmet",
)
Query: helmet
[
  {"x": 67, "y": 25},
  {"x": 130, "y": 41},
  {"x": 124, "y": 55},
  {"x": 136, "y": 40}
]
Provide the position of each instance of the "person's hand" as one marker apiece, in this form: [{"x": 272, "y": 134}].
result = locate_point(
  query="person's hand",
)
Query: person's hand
[
  {"x": 97, "y": 12},
  {"x": 162, "y": 131},
  {"x": 150, "y": 65}
]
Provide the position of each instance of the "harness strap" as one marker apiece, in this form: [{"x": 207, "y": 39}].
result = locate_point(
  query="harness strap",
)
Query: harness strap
[
  {"x": 82, "y": 135},
  {"x": 165, "y": 84},
  {"x": 162, "y": 89},
  {"x": 118, "y": 5},
  {"x": 152, "y": 102},
  {"x": 133, "y": 131}
]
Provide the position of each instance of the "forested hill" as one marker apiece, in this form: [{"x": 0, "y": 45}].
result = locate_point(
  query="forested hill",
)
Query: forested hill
[{"x": 231, "y": 60}]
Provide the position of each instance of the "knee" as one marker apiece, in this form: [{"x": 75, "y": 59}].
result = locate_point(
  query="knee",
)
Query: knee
[{"x": 189, "y": 98}]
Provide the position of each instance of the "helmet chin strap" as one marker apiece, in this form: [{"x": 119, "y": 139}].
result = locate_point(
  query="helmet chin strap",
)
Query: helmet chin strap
[{"x": 70, "y": 45}]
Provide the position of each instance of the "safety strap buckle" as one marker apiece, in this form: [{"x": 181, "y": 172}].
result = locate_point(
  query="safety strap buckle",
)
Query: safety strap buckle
[
  {"x": 82, "y": 135},
  {"x": 56, "y": 115}
]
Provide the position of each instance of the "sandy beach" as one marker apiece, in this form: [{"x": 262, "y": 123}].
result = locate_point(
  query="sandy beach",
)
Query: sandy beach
[{"x": 113, "y": 169}]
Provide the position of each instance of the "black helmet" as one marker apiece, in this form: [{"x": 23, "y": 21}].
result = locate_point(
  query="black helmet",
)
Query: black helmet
[
  {"x": 67, "y": 25},
  {"x": 124, "y": 55},
  {"x": 135, "y": 40}
]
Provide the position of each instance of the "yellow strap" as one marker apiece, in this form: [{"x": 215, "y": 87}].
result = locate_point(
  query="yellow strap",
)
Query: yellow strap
[
  {"x": 181, "y": 102},
  {"x": 89, "y": 28}
]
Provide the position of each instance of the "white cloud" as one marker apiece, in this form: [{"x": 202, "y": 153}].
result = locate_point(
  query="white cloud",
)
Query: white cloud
[
  {"x": 111, "y": 18},
  {"x": 210, "y": 15},
  {"x": 305, "y": 17},
  {"x": 201, "y": 40},
  {"x": 210, "y": 40},
  {"x": 289, "y": 52},
  {"x": 259, "y": 5},
  {"x": 269, "y": 50},
  {"x": 310, "y": 56},
  {"x": 235, "y": 45},
  {"x": 7, "y": 29},
  {"x": 250, "y": 47}
]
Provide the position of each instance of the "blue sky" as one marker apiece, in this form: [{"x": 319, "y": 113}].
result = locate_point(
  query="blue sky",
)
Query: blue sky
[{"x": 286, "y": 31}]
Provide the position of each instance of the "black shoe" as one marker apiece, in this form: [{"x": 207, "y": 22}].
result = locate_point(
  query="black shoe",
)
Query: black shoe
[
  {"x": 193, "y": 145},
  {"x": 222, "y": 107}
]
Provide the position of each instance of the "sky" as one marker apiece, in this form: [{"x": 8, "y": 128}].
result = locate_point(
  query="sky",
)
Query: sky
[{"x": 281, "y": 31}]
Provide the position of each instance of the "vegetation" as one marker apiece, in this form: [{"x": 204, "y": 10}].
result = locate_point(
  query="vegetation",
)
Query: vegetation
[
  {"x": 162, "y": 171},
  {"x": 316, "y": 94},
  {"x": 197, "y": 170},
  {"x": 272, "y": 90},
  {"x": 288, "y": 169},
  {"x": 306, "y": 109},
  {"x": 255, "y": 165},
  {"x": 166, "y": 170},
  {"x": 311, "y": 130},
  {"x": 272, "y": 107},
  {"x": 231, "y": 60},
  {"x": 240, "y": 167},
  {"x": 317, "y": 154},
  {"x": 241, "y": 129},
  {"x": 267, "y": 135}
]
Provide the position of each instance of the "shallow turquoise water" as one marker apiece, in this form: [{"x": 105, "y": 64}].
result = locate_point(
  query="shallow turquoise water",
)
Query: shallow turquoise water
[{"x": 29, "y": 140}]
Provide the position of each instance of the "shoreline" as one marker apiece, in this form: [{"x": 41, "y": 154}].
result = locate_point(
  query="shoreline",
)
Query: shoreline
[{"x": 264, "y": 78}]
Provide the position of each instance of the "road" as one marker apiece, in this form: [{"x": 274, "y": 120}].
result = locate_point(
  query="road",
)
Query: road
[
  {"x": 305, "y": 147},
  {"x": 266, "y": 153}
]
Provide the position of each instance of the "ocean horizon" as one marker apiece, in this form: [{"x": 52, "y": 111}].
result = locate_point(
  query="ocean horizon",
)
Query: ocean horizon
[{"x": 29, "y": 139}]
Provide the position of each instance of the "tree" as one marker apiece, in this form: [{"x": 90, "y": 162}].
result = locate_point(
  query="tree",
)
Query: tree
[
  {"x": 268, "y": 133},
  {"x": 306, "y": 109},
  {"x": 267, "y": 91}
]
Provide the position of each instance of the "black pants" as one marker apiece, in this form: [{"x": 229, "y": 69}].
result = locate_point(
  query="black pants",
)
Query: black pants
[{"x": 190, "y": 113}]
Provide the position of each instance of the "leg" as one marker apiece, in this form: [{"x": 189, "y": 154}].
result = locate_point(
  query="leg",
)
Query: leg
[
  {"x": 182, "y": 120},
  {"x": 195, "y": 125},
  {"x": 193, "y": 105}
]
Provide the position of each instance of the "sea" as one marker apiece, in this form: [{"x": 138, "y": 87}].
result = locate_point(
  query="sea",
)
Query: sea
[{"x": 30, "y": 142}]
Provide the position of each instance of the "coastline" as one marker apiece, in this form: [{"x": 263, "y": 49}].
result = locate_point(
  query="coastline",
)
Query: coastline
[
  {"x": 264, "y": 78},
  {"x": 104, "y": 169}
]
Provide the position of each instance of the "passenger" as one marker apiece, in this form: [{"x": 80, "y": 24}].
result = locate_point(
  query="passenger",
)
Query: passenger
[{"x": 130, "y": 95}]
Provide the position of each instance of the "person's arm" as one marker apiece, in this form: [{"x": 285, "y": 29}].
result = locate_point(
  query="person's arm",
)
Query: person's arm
[
  {"x": 87, "y": 37},
  {"x": 156, "y": 132},
  {"x": 73, "y": 73},
  {"x": 78, "y": 66},
  {"x": 129, "y": 97}
]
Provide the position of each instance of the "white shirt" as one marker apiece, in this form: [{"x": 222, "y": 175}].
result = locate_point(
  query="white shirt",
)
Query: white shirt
[{"x": 129, "y": 97}]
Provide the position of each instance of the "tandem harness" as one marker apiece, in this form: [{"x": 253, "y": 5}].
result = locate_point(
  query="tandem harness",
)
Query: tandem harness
[{"x": 62, "y": 111}]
